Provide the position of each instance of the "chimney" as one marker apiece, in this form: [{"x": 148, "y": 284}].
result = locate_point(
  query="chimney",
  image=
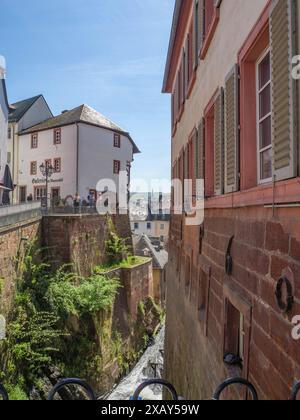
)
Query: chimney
[{"x": 160, "y": 204}]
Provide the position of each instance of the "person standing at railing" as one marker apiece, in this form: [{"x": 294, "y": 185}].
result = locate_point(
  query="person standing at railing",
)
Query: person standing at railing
[{"x": 77, "y": 202}]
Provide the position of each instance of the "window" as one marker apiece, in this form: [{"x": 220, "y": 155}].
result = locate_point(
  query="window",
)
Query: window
[
  {"x": 33, "y": 168},
  {"x": 148, "y": 226},
  {"x": 48, "y": 163},
  {"x": 34, "y": 141},
  {"x": 117, "y": 140},
  {"x": 209, "y": 14},
  {"x": 39, "y": 193},
  {"x": 57, "y": 136},
  {"x": 9, "y": 133},
  {"x": 9, "y": 158},
  {"x": 57, "y": 165},
  {"x": 117, "y": 167},
  {"x": 55, "y": 192},
  {"x": 234, "y": 340},
  {"x": 252, "y": 53},
  {"x": 23, "y": 194},
  {"x": 136, "y": 226},
  {"x": 264, "y": 115},
  {"x": 237, "y": 331},
  {"x": 202, "y": 296},
  {"x": 162, "y": 227},
  {"x": 209, "y": 146}
]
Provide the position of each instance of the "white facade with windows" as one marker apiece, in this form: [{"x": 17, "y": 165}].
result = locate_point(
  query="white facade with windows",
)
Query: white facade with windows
[
  {"x": 81, "y": 152},
  {"x": 23, "y": 114}
]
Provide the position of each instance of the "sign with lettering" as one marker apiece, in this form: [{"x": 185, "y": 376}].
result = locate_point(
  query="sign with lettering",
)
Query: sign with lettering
[{"x": 43, "y": 181}]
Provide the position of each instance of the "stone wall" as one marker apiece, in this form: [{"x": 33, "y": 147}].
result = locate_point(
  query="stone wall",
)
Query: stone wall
[
  {"x": 12, "y": 241},
  {"x": 138, "y": 283},
  {"x": 199, "y": 293},
  {"x": 80, "y": 239}
]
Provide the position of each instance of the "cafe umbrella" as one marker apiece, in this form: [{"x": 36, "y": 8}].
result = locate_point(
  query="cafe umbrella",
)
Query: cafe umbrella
[{"x": 8, "y": 186}]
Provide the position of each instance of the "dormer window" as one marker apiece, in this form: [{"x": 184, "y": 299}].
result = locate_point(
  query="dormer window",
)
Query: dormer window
[
  {"x": 117, "y": 140},
  {"x": 34, "y": 141},
  {"x": 57, "y": 136}
]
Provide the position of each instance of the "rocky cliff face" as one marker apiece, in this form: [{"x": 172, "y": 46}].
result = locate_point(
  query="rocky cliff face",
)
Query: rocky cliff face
[{"x": 64, "y": 324}]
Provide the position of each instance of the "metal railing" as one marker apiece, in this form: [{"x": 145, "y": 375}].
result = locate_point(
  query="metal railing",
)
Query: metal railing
[
  {"x": 59, "y": 389},
  {"x": 70, "y": 210}
]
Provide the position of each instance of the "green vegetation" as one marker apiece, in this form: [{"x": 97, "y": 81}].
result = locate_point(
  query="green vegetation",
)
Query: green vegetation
[
  {"x": 129, "y": 262},
  {"x": 1, "y": 285},
  {"x": 64, "y": 323},
  {"x": 70, "y": 295},
  {"x": 116, "y": 249},
  {"x": 37, "y": 332}
]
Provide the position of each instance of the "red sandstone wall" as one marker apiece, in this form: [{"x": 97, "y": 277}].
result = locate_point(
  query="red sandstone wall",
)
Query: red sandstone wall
[
  {"x": 264, "y": 248},
  {"x": 12, "y": 241},
  {"x": 138, "y": 283},
  {"x": 80, "y": 239}
]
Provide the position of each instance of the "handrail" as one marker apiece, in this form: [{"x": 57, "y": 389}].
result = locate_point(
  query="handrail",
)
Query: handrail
[
  {"x": 235, "y": 381},
  {"x": 3, "y": 393},
  {"x": 72, "y": 381},
  {"x": 295, "y": 391},
  {"x": 162, "y": 382}
]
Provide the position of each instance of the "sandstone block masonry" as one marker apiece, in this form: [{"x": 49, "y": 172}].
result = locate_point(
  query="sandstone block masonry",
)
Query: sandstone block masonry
[
  {"x": 80, "y": 239},
  {"x": 12, "y": 242},
  {"x": 203, "y": 301}
]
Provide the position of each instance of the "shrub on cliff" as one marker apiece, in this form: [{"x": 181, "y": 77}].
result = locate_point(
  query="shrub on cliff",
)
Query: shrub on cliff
[{"x": 86, "y": 296}]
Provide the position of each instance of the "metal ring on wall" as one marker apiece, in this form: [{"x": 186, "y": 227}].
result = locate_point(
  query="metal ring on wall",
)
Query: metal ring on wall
[
  {"x": 235, "y": 381},
  {"x": 162, "y": 382},
  {"x": 3, "y": 393},
  {"x": 72, "y": 381},
  {"x": 295, "y": 391},
  {"x": 288, "y": 305}
]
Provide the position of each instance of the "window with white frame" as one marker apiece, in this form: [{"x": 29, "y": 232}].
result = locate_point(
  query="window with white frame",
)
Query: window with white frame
[
  {"x": 39, "y": 193},
  {"x": 264, "y": 118}
]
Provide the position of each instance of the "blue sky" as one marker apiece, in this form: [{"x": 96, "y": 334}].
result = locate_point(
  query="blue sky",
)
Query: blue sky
[{"x": 107, "y": 54}]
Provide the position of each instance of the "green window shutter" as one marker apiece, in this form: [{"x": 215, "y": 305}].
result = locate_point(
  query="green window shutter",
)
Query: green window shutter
[
  {"x": 284, "y": 101},
  {"x": 201, "y": 24},
  {"x": 200, "y": 151},
  {"x": 231, "y": 139},
  {"x": 195, "y": 157},
  {"x": 183, "y": 81},
  {"x": 219, "y": 143},
  {"x": 186, "y": 72}
]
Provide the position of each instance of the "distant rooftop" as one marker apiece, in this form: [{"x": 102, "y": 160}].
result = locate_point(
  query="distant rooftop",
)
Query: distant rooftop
[
  {"x": 19, "y": 109},
  {"x": 159, "y": 256},
  {"x": 84, "y": 114}
]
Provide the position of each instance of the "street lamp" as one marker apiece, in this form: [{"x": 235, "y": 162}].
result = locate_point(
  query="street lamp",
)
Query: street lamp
[{"x": 47, "y": 171}]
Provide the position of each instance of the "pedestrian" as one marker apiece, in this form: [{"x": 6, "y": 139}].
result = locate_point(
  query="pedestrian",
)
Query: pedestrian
[{"x": 77, "y": 202}]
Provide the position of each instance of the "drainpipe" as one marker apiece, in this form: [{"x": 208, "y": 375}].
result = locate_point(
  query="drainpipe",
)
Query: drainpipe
[
  {"x": 77, "y": 160},
  {"x": 13, "y": 158}
]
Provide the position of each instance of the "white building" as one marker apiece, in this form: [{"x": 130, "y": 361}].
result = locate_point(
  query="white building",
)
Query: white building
[
  {"x": 82, "y": 145},
  {"x": 22, "y": 115},
  {"x": 150, "y": 215},
  {"x": 4, "y": 109}
]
